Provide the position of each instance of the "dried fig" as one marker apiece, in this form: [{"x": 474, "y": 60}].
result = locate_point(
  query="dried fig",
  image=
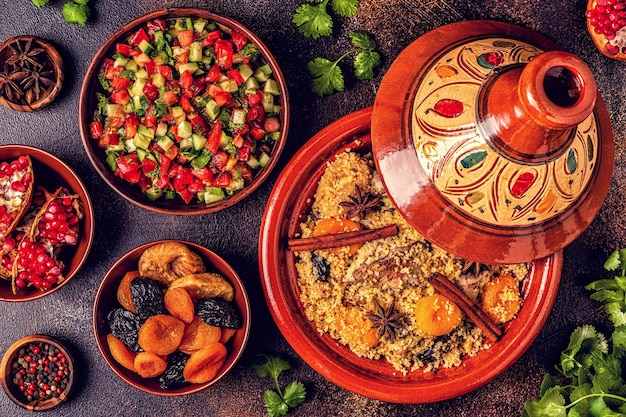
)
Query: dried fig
[
  {"x": 168, "y": 261},
  {"x": 205, "y": 285},
  {"x": 161, "y": 334}
]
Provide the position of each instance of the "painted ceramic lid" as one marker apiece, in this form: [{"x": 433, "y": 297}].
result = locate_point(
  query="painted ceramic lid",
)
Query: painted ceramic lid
[{"x": 500, "y": 149}]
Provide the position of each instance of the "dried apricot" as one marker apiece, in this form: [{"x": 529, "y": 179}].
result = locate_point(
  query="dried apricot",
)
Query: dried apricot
[
  {"x": 203, "y": 365},
  {"x": 149, "y": 365},
  {"x": 436, "y": 315},
  {"x": 501, "y": 298},
  {"x": 197, "y": 335},
  {"x": 161, "y": 334},
  {"x": 121, "y": 353},
  {"x": 332, "y": 226},
  {"x": 123, "y": 291},
  {"x": 179, "y": 304},
  {"x": 226, "y": 335},
  {"x": 356, "y": 327},
  {"x": 205, "y": 285}
]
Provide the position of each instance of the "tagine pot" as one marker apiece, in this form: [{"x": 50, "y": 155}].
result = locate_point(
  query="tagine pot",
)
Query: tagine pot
[{"x": 500, "y": 148}]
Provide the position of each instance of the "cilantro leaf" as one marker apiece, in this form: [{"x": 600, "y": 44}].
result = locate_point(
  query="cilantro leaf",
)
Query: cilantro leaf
[
  {"x": 552, "y": 404},
  {"x": 313, "y": 21},
  {"x": 274, "y": 403},
  {"x": 40, "y": 3},
  {"x": 279, "y": 402},
  {"x": 294, "y": 394},
  {"x": 362, "y": 40},
  {"x": 617, "y": 260},
  {"x": 74, "y": 12},
  {"x": 345, "y": 8},
  {"x": 364, "y": 64},
  {"x": 327, "y": 76},
  {"x": 273, "y": 366}
]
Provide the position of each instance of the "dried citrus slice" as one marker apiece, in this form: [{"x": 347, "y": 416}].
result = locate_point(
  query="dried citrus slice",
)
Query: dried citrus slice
[
  {"x": 16, "y": 190},
  {"x": 205, "y": 285}
]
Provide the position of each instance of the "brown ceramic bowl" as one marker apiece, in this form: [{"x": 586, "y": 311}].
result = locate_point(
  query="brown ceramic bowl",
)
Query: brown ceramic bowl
[
  {"x": 50, "y": 61},
  {"x": 106, "y": 300},
  {"x": 51, "y": 173},
  {"x": 12, "y": 390},
  {"x": 377, "y": 379},
  {"x": 131, "y": 192}
]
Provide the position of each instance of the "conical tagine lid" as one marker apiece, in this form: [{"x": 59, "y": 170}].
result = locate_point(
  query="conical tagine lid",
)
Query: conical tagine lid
[{"x": 492, "y": 143}]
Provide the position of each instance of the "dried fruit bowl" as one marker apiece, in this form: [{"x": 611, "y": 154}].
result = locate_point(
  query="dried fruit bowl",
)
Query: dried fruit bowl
[
  {"x": 52, "y": 173},
  {"x": 106, "y": 300},
  {"x": 42, "y": 342}
]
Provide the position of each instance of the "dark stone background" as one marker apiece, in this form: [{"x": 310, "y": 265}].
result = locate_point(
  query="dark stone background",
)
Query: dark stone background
[{"x": 233, "y": 233}]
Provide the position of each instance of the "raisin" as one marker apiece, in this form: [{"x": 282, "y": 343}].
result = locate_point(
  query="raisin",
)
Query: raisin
[
  {"x": 218, "y": 312},
  {"x": 173, "y": 376},
  {"x": 322, "y": 268},
  {"x": 147, "y": 297},
  {"x": 125, "y": 326}
]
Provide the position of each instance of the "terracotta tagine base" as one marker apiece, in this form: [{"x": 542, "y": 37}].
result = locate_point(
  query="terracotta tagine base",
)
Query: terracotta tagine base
[{"x": 501, "y": 150}]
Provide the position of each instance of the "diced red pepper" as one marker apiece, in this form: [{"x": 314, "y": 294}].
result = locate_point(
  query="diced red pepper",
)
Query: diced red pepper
[
  {"x": 95, "y": 129},
  {"x": 120, "y": 97},
  {"x": 121, "y": 83},
  {"x": 239, "y": 39},
  {"x": 164, "y": 165},
  {"x": 235, "y": 75},
  {"x": 198, "y": 123},
  {"x": 213, "y": 140},
  {"x": 124, "y": 49},
  {"x": 222, "y": 180},
  {"x": 186, "y": 195},
  {"x": 150, "y": 90},
  {"x": 186, "y": 79},
  {"x": 214, "y": 74},
  {"x": 166, "y": 71},
  {"x": 128, "y": 167},
  {"x": 185, "y": 37},
  {"x": 211, "y": 38},
  {"x": 131, "y": 124},
  {"x": 186, "y": 104},
  {"x": 138, "y": 36},
  {"x": 224, "y": 53}
]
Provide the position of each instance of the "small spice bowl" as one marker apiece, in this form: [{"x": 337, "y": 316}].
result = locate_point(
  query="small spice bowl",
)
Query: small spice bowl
[
  {"x": 106, "y": 300},
  {"x": 20, "y": 354},
  {"x": 31, "y": 73}
]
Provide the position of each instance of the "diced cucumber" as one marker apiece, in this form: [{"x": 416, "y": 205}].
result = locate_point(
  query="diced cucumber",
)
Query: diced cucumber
[
  {"x": 273, "y": 135},
  {"x": 184, "y": 23},
  {"x": 116, "y": 148},
  {"x": 263, "y": 159},
  {"x": 154, "y": 193},
  {"x": 245, "y": 71},
  {"x": 184, "y": 129},
  {"x": 236, "y": 184},
  {"x": 224, "y": 139},
  {"x": 141, "y": 141},
  {"x": 199, "y": 24},
  {"x": 141, "y": 154},
  {"x": 141, "y": 74},
  {"x": 238, "y": 118},
  {"x": 161, "y": 129},
  {"x": 146, "y": 47},
  {"x": 170, "y": 194},
  {"x": 263, "y": 73},
  {"x": 178, "y": 51},
  {"x": 230, "y": 86},
  {"x": 253, "y": 162},
  {"x": 110, "y": 160},
  {"x": 161, "y": 58},
  {"x": 165, "y": 143},
  {"x": 212, "y": 109},
  {"x": 159, "y": 40},
  {"x": 195, "y": 52},
  {"x": 112, "y": 109},
  {"x": 130, "y": 145},
  {"x": 132, "y": 65},
  {"x": 137, "y": 88},
  {"x": 186, "y": 143},
  {"x": 145, "y": 131},
  {"x": 268, "y": 102},
  {"x": 213, "y": 194},
  {"x": 178, "y": 113},
  {"x": 201, "y": 160},
  {"x": 252, "y": 83},
  {"x": 198, "y": 141},
  {"x": 121, "y": 61},
  {"x": 158, "y": 80},
  {"x": 271, "y": 86},
  {"x": 192, "y": 67}
]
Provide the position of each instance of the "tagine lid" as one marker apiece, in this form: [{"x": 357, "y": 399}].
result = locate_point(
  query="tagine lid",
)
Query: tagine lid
[{"x": 492, "y": 142}]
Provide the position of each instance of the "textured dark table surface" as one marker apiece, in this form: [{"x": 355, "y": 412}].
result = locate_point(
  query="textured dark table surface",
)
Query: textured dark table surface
[{"x": 120, "y": 226}]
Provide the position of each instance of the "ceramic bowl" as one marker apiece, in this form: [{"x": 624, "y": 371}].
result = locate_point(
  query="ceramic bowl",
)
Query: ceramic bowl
[
  {"x": 106, "y": 300},
  {"x": 51, "y": 63},
  {"x": 88, "y": 104},
  {"x": 375, "y": 378},
  {"x": 51, "y": 173},
  {"x": 12, "y": 390}
]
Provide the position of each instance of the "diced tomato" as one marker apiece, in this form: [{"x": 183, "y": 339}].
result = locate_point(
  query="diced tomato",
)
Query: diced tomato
[
  {"x": 271, "y": 124},
  {"x": 235, "y": 75},
  {"x": 223, "y": 99},
  {"x": 186, "y": 79},
  {"x": 213, "y": 75},
  {"x": 164, "y": 165},
  {"x": 151, "y": 67},
  {"x": 109, "y": 138},
  {"x": 150, "y": 90},
  {"x": 213, "y": 140},
  {"x": 238, "y": 39},
  {"x": 107, "y": 65},
  {"x": 186, "y": 195},
  {"x": 255, "y": 113},
  {"x": 222, "y": 180},
  {"x": 219, "y": 159},
  {"x": 172, "y": 152},
  {"x": 198, "y": 123},
  {"x": 142, "y": 59},
  {"x": 138, "y": 36},
  {"x": 148, "y": 166},
  {"x": 243, "y": 171},
  {"x": 166, "y": 71},
  {"x": 185, "y": 37},
  {"x": 173, "y": 85},
  {"x": 124, "y": 49},
  {"x": 95, "y": 129},
  {"x": 196, "y": 186},
  {"x": 224, "y": 53},
  {"x": 244, "y": 154},
  {"x": 115, "y": 122},
  {"x": 238, "y": 140},
  {"x": 149, "y": 120},
  {"x": 211, "y": 38},
  {"x": 212, "y": 90},
  {"x": 131, "y": 124},
  {"x": 254, "y": 99},
  {"x": 186, "y": 104},
  {"x": 121, "y": 83},
  {"x": 169, "y": 97},
  {"x": 112, "y": 72},
  {"x": 182, "y": 58},
  {"x": 257, "y": 133},
  {"x": 120, "y": 97},
  {"x": 128, "y": 167},
  {"x": 204, "y": 174}
]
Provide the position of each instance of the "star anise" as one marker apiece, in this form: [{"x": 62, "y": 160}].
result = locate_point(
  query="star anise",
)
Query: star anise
[
  {"x": 387, "y": 320},
  {"x": 360, "y": 204},
  {"x": 473, "y": 267},
  {"x": 8, "y": 87},
  {"x": 24, "y": 56},
  {"x": 34, "y": 82}
]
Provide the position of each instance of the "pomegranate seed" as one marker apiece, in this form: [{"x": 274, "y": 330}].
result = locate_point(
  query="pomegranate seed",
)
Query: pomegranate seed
[
  {"x": 18, "y": 186},
  {"x": 8, "y": 244},
  {"x": 70, "y": 239}
]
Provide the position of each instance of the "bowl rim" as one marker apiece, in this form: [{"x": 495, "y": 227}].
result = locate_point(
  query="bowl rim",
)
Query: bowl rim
[
  {"x": 230, "y": 361},
  {"x": 335, "y": 362},
  {"x": 88, "y": 219},
  {"x": 5, "y": 374},
  {"x": 85, "y": 109}
]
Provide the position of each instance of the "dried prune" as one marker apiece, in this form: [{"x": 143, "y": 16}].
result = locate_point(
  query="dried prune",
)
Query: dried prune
[
  {"x": 322, "y": 269},
  {"x": 173, "y": 377},
  {"x": 147, "y": 297},
  {"x": 218, "y": 312},
  {"x": 125, "y": 326}
]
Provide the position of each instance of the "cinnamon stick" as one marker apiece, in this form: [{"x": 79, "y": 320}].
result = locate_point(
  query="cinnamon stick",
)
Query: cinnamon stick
[
  {"x": 455, "y": 294},
  {"x": 341, "y": 239}
]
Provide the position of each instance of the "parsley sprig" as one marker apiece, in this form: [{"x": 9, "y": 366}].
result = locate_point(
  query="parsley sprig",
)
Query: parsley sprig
[
  {"x": 591, "y": 365},
  {"x": 313, "y": 19},
  {"x": 279, "y": 402},
  {"x": 328, "y": 76}
]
